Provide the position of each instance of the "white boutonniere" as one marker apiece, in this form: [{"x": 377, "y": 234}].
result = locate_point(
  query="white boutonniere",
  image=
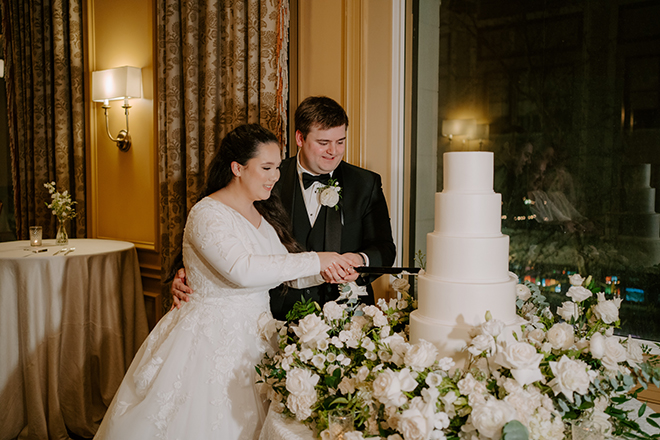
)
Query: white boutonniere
[{"x": 330, "y": 194}]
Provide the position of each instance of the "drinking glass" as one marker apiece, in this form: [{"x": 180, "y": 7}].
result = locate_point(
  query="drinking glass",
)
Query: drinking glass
[
  {"x": 339, "y": 423},
  {"x": 586, "y": 430},
  {"x": 35, "y": 235}
]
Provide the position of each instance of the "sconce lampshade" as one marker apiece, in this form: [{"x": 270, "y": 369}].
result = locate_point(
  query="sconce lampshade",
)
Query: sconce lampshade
[
  {"x": 119, "y": 83},
  {"x": 459, "y": 127}
]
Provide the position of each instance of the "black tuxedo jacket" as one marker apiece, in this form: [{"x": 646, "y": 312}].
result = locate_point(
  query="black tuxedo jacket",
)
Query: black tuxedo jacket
[{"x": 361, "y": 224}]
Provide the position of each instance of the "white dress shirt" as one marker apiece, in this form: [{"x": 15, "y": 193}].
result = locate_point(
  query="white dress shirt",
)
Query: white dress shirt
[{"x": 313, "y": 200}]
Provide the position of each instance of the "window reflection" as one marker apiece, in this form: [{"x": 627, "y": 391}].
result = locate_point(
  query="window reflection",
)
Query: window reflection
[{"x": 571, "y": 95}]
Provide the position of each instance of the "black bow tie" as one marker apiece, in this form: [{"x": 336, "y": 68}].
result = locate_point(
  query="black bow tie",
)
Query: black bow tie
[{"x": 308, "y": 179}]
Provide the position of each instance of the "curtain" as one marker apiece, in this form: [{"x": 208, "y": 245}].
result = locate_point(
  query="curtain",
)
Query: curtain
[
  {"x": 220, "y": 64},
  {"x": 44, "y": 73}
]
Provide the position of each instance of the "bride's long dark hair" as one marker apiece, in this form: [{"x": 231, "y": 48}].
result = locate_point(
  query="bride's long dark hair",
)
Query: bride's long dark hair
[{"x": 240, "y": 145}]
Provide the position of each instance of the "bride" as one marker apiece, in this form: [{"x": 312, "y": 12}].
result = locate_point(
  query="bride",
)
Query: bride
[{"x": 193, "y": 378}]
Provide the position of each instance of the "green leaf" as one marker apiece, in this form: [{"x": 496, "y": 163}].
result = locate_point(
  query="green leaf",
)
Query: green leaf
[
  {"x": 641, "y": 411},
  {"x": 514, "y": 430},
  {"x": 652, "y": 423}
]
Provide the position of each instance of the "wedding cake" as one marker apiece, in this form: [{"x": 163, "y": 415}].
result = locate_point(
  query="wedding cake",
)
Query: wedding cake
[{"x": 467, "y": 272}]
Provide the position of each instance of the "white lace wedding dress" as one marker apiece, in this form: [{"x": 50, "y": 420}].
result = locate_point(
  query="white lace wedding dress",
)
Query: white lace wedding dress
[{"x": 193, "y": 378}]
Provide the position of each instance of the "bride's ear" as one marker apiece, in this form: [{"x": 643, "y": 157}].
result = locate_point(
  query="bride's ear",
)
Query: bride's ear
[{"x": 236, "y": 168}]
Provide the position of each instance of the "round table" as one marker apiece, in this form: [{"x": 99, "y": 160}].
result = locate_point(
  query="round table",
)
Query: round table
[{"x": 70, "y": 324}]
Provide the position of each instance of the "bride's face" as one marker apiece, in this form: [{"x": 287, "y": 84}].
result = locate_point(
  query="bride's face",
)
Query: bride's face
[{"x": 261, "y": 172}]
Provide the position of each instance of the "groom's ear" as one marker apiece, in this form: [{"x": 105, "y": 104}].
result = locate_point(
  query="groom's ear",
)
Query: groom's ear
[{"x": 300, "y": 139}]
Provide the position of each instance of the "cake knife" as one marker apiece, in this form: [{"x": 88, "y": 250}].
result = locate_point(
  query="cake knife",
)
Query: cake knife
[{"x": 388, "y": 270}]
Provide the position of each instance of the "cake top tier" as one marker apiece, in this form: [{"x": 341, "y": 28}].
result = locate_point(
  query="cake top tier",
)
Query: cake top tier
[{"x": 468, "y": 171}]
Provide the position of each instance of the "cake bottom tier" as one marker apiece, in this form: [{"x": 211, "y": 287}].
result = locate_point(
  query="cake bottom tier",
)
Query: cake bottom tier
[
  {"x": 452, "y": 340},
  {"x": 453, "y": 303},
  {"x": 448, "y": 311}
]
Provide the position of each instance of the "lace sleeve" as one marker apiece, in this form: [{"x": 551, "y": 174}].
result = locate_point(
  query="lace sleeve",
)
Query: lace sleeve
[{"x": 224, "y": 243}]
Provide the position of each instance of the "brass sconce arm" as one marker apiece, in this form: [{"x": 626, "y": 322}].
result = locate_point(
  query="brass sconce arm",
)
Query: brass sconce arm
[{"x": 123, "y": 139}]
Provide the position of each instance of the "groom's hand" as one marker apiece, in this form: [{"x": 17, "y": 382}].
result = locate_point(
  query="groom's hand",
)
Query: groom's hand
[
  {"x": 344, "y": 276},
  {"x": 179, "y": 289}
]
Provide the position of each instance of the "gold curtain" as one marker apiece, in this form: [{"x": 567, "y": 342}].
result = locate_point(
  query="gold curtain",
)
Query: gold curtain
[
  {"x": 44, "y": 73},
  {"x": 220, "y": 64}
]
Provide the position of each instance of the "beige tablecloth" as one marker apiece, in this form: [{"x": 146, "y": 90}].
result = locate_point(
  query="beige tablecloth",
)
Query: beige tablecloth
[{"x": 69, "y": 328}]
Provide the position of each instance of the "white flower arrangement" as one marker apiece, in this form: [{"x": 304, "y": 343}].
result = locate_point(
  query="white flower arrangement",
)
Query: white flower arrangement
[
  {"x": 553, "y": 371},
  {"x": 61, "y": 205},
  {"x": 330, "y": 194}
]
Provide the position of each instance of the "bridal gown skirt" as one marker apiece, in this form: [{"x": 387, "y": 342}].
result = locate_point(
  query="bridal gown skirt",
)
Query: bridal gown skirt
[{"x": 194, "y": 376}]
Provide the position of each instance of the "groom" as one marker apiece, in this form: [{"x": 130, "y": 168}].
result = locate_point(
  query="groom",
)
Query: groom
[{"x": 359, "y": 226}]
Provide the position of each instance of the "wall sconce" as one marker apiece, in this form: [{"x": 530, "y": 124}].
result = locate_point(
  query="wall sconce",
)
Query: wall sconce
[
  {"x": 459, "y": 127},
  {"x": 481, "y": 133},
  {"x": 113, "y": 84}
]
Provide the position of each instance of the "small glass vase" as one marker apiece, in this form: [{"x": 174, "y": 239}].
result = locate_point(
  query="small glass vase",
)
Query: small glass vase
[
  {"x": 62, "y": 237},
  {"x": 340, "y": 421}
]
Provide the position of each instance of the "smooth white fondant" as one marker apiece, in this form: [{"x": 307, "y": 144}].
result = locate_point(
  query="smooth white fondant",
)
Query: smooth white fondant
[
  {"x": 468, "y": 171},
  {"x": 468, "y": 259},
  {"x": 463, "y": 214},
  {"x": 455, "y": 303},
  {"x": 467, "y": 271}
]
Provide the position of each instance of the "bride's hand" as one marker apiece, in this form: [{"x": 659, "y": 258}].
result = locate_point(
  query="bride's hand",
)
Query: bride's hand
[{"x": 335, "y": 268}]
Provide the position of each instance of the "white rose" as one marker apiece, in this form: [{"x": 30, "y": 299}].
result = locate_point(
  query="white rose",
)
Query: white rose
[
  {"x": 493, "y": 327},
  {"x": 561, "y": 336},
  {"x": 490, "y": 417},
  {"x": 607, "y": 310},
  {"x": 267, "y": 325},
  {"x": 523, "y": 292},
  {"x": 536, "y": 336},
  {"x": 311, "y": 328},
  {"x": 387, "y": 388},
  {"x": 523, "y": 360},
  {"x": 634, "y": 352},
  {"x": 570, "y": 376},
  {"x": 300, "y": 381},
  {"x": 301, "y": 405},
  {"x": 579, "y": 293},
  {"x": 568, "y": 310},
  {"x": 481, "y": 343},
  {"x": 576, "y": 279},
  {"x": 400, "y": 285},
  {"x": 332, "y": 310},
  {"x": 380, "y": 320},
  {"x": 421, "y": 355},
  {"x": 469, "y": 385},
  {"x": 347, "y": 386},
  {"x": 614, "y": 354},
  {"x": 413, "y": 425},
  {"x": 330, "y": 196}
]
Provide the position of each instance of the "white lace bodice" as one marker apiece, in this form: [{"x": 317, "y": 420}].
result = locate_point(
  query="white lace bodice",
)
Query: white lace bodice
[{"x": 225, "y": 255}]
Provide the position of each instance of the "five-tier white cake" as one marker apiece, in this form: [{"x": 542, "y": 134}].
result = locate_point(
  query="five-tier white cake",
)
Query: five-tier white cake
[{"x": 467, "y": 271}]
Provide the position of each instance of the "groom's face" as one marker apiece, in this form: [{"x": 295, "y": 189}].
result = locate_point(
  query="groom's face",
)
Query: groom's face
[{"x": 322, "y": 150}]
